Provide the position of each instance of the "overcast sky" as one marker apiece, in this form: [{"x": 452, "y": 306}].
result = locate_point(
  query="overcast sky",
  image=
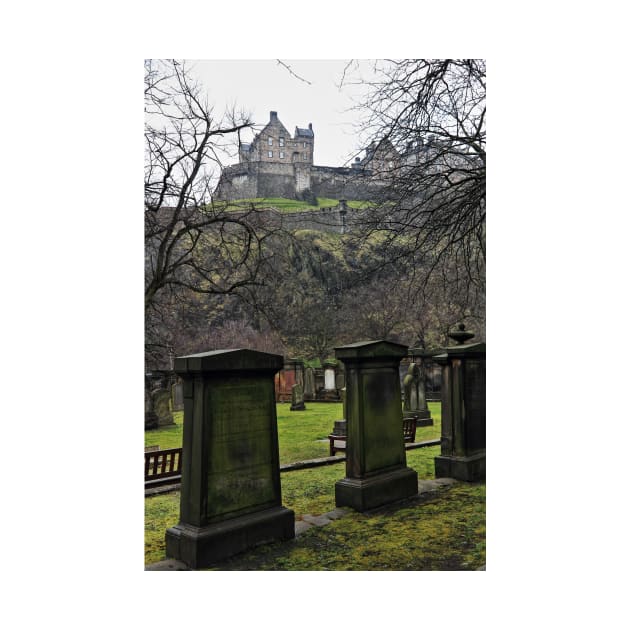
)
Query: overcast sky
[{"x": 263, "y": 86}]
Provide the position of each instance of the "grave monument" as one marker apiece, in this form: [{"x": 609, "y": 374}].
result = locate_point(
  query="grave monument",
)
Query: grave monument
[
  {"x": 230, "y": 492},
  {"x": 309, "y": 384},
  {"x": 297, "y": 398},
  {"x": 161, "y": 398},
  {"x": 463, "y": 439},
  {"x": 376, "y": 464},
  {"x": 415, "y": 393}
]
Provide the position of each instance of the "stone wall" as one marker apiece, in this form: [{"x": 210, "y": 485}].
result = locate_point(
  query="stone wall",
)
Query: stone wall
[
  {"x": 336, "y": 219},
  {"x": 274, "y": 180}
]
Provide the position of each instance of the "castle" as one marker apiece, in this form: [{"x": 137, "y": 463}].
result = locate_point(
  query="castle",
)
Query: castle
[{"x": 276, "y": 164}]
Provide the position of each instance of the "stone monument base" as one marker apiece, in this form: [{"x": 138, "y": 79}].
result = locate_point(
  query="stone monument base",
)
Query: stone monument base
[
  {"x": 151, "y": 420},
  {"x": 166, "y": 422},
  {"x": 199, "y": 547},
  {"x": 365, "y": 494},
  {"x": 472, "y": 468},
  {"x": 298, "y": 407},
  {"x": 423, "y": 418}
]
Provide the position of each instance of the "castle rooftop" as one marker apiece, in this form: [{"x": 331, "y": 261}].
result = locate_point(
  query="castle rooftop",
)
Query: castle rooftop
[{"x": 306, "y": 133}]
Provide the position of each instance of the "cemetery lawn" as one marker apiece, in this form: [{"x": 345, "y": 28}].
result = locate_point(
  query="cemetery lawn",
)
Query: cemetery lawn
[
  {"x": 444, "y": 532},
  {"x": 301, "y": 434}
]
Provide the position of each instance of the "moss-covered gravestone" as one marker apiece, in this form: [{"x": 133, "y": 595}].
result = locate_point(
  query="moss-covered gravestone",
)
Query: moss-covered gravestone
[
  {"x": 376, "y": 464},
  {"x": 230, "y": 493},
  {"x": 463, "y": 440}
]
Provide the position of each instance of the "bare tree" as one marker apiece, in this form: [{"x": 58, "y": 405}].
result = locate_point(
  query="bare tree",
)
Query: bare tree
[
  {"x": 192, "y": 242},
  {"x": 433, "y": 206}
]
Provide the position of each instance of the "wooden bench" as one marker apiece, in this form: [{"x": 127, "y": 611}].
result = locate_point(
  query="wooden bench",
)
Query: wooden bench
[
  {"x": 162, "y": 467},
  {"x": 409, "y": 435}
]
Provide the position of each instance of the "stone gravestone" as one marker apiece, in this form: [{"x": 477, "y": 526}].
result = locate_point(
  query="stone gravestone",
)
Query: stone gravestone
[
  {"x": 297, "y": 398},
  {"x": 463, "y": 440},
  {"x": 309, "y": 384},
  {"x": 230, "y": 492},
  {"x": 340, "y": 426},
  {"x": 376, "y": 463},
  {"x": 162, "y": 406},
  {"x": 177, "y": 397},
  {"x": 415, "y": 403},
  {"x": 329, "y": 379},
  {"x": 150, "y": 417}
]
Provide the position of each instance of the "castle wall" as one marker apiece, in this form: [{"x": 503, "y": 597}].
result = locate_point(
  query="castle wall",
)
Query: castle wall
[
  {"x": 272, "y": 179},
  {"x": 237, "y": 182},
  {"x": 302, "y": 175},
  {"x": 275, "y": 180},
  {"x": 337, "y": 219},
  {"x": 342, "y": 183}
]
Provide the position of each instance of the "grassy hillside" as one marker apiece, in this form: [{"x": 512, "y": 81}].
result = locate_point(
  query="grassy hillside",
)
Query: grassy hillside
[{"x": 293, "y": 205}]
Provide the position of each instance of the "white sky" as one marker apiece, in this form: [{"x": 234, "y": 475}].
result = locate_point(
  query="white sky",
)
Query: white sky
[{"x": 262, "y": 86}]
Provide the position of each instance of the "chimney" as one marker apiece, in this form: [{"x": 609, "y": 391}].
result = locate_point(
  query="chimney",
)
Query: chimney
[
  {"x": 310, "y": 126},
  {"x": 273, "y": 116}
]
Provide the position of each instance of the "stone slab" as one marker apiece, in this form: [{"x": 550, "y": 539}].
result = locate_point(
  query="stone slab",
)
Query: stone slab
[
  {"x": 471, "y": 468},
  {"x": 374, "y": 491},
  {"x": 199, "y": 547},
  {"x": 335, "y": 514},
  {"x": 433, "y": 485},
  {"x": 301, "y": 527},
  {"x": 316, "y": 520}
]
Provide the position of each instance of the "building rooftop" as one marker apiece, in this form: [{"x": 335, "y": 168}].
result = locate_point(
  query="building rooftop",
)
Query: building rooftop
[{"x": 306, "y": 133}]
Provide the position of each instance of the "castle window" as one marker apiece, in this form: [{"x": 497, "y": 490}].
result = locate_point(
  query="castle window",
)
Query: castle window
[
  {"x": 269, "y": 153},
  {"x": 305, "y": 145},
  {"x": 281, "y": 154},
  {"x": 305, "y": 157},
  {"x": 281, "y": 142},
  {"x": 270, "y": 141}
]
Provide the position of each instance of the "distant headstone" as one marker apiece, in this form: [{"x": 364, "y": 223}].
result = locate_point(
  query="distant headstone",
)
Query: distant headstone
[
  {"x": 463, "y": 440},
  {"x": 162, "y": 406},
  {"x": 177, "y": 397},
  {"x": 376, "y": 464},
  {"x": 415, "y": 403},
  {"x": 230, "y": 491},
  {"x": 329, "y": 379},
  {"x": 340, "y": 426},
  {"x": 150, "y": 417},
  {"x": 297, "y": 398},
  {"x": 309, "y": 384}
]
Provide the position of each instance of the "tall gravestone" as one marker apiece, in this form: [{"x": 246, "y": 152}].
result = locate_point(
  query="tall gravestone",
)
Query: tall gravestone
[
  {"x": 162, "y": 406},
  {"x": 177, "y": 397},
  {"x": 309, "y": 384},
  {"x": 415, "y": 390},
  {"x": 463, "y": 440},
  {"x": 230, "y": 492},
  {"x": 329, "y": 377},
  {"x": 376, "y": 464},
  {"x": 297, "y": 398}
]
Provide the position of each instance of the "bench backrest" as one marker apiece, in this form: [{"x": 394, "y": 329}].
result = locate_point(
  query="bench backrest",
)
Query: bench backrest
[
  {"x": 165, "y": 463},
  {"x": 409, "y": 429}
]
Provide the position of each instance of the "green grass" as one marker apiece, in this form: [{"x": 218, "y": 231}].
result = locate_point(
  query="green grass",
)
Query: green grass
[
  {"x": 301, "y": 434},
  {"x": 167, "y": 437},
  {"x": 446, "y": 532},
  {"x": 293, "y": 205}
]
